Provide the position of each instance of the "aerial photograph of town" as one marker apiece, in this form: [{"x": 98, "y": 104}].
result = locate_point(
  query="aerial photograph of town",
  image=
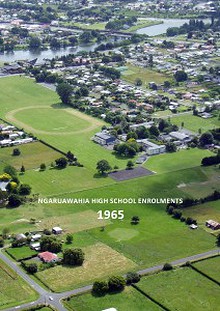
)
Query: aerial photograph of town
[{"x": 109, "y": 155}]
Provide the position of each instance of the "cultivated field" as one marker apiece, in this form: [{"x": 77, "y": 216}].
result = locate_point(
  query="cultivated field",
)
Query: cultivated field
[
  {"x": 13, "y": 290},
  {"x": 129, "y": 299},
  {"x": 100, "y": 261},
  {"x": 182, "y": 285},
  {"x": 210, "y": 266}
]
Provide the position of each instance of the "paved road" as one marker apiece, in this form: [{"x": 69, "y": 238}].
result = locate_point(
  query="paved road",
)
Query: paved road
[{"x": 45, "y": 295}]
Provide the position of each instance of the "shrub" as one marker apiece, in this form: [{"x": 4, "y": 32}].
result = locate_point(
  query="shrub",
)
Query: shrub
[
  {"x": 132, "y": 277},
  {"x": 167, "y": 267},
  {"x": 116, "y": 283},
  {"x": 100, "y": 288}
]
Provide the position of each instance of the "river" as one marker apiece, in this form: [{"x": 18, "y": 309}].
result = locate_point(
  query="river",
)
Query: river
[{"x": 49, "y": 54}]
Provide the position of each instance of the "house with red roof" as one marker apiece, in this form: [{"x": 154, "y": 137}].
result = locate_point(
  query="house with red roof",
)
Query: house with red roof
[{"x": 48, "y": 257}]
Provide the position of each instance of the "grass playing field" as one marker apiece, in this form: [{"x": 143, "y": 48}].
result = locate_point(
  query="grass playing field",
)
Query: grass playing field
[
  {"x": 14, "y": 290},
  {"x": 182, "y": 290}
]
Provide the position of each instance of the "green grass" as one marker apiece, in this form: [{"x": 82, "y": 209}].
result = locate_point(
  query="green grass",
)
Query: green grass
[
  {"x": 143, "y": 24},
  {"x": 210, "y": 266},
  {"x": 14, "y": 290},
  {"x": 19, "y": 253},
  {"x": 146, "y": 75},
  {"x": 172, "y": 290},
  {"x": 32, "y": 155},
  {"x": 95, "y": 26},
  {"x": 100, "y": 261},
  {"x": 183, "y": 159},
  {"x": 129, "y": 299},
  {"x": 194, "y": 123}
]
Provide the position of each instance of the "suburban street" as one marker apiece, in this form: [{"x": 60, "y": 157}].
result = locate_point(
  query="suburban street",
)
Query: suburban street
[{"x": 54, "y": 299}]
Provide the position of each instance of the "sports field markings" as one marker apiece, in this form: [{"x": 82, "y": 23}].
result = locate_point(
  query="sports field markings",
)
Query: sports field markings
[{"x": 94, "y": 122}]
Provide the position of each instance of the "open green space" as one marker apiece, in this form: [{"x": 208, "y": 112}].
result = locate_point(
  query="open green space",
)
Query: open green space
[
  {"x": 129, "y": 299},
  {"x": 142, "y": 24},
  {"x": 59, "y": 120},
  {"x": 202, "y": 189},
  {"x": 14, "y": 290},
  {"x": 179, "y": 160},
  {"x": 100, "y": 261},
  {"x": 22, "y": 96},
  {"x": 210, "y": 266},
  {"x": 32, "y": 155},
  {"x": 172, "y": 290},
  {"x": 146, "y": 75},
  {"x": 19, "y": 253},
  {"x": 194, "y": 123},
  {"x": 95, "y": 26}
]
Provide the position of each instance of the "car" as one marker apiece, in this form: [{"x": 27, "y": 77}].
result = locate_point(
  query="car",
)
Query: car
[{"x": 51, "y": 298}]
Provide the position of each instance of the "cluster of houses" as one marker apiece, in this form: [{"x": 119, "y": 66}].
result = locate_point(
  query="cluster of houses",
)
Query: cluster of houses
[
  {"x": 46, "y": 257},
  {"x": 11, "y": 136}
]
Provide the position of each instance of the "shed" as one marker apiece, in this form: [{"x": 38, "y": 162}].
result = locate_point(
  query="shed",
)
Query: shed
[{"x": 57, "y": 230}]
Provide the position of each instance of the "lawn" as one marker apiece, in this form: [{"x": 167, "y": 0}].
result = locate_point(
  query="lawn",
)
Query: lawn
[
  {"x": 95, "y": 26},
  {"x": 182, "y": 289},
  {"x": 146, "y": 75},
  {"x": 19, "y": 253},
  {"x": 129, "y": 299},
  {"x": 194, "y": 123},
  {"x": 32, "y": 155},
  {"x": 210, "y": 266},
  {"x": 14, "y": 290},
  {"x": 179, "y": 160},
  {"x": 100, "y": 262}
]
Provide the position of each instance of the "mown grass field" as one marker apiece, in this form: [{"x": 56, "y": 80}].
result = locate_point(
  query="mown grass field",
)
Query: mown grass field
[
  {"x": 146, "y": 75},
  {"x": 182, "y": 159},
  {"x": 100, "y": 261},
  {"x": 210, "y": 266},
  {"x": 19, "y": 253},
  {"x": 129, "y": 299},
  {"x": 32, "y": 155},
  {"x": 182, "y": 289},
  {"x": 14, "y": 290},
  {"x": 194, "y": 123}
]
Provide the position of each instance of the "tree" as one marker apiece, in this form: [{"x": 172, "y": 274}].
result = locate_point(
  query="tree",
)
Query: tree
[
  {"x": 103, "y": 166},
  {"x": 69, "y": 239},
  {"x": 135, "y": 220},
  {"x": 14, "y": 200},
  {"x": 24, "y": 189},
  {"x": 5, "y": 232},
  {"x": 34, "y": 43},
  {"x": 218, "y": 240},
  {"x": 31, "y": 268},
  {"x": 73, "y": 257},
  {"x": 130, "y": 165},
  {"x": 171, "y": 147},
  {"x": 138, "y": 82},
  {"x": 116, "y": 283},
  {"x": 43, "y": 167},
  {"x": 22, "y": 170},
  {"x": 50, "y": 243},
  {"x": 100, "y": 288},
  {"x": 2, "y": 242},
  {"x": 61, "y": 162},
  {"x": 206, "y": 139},
  {"x": 154, "y": 131},
  {"x": 180, "y": 76},
  {"x": 70, "y": 156},
  {"x": 10, "y": 170},
  {"x": 16, "y": 152},
  {"x": 64, "y": 90},
  {"x": 167, "y": 267},
  {"x": 132, "y": 277}
]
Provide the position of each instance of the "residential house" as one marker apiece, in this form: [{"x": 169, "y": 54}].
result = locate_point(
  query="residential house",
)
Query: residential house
[
  {"x": 57, "y": 230},
  {"x": 214, "y": 225},
  {"x": 48, "y": 257}
]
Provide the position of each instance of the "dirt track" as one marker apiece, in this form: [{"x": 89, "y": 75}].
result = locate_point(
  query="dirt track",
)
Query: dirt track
[{"x": 10, "y": 116}]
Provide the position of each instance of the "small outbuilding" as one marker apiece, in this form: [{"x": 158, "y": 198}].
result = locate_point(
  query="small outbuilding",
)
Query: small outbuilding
[
  {"x": 57, "y": 230},
  {"x": 214, "y": 225}
]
